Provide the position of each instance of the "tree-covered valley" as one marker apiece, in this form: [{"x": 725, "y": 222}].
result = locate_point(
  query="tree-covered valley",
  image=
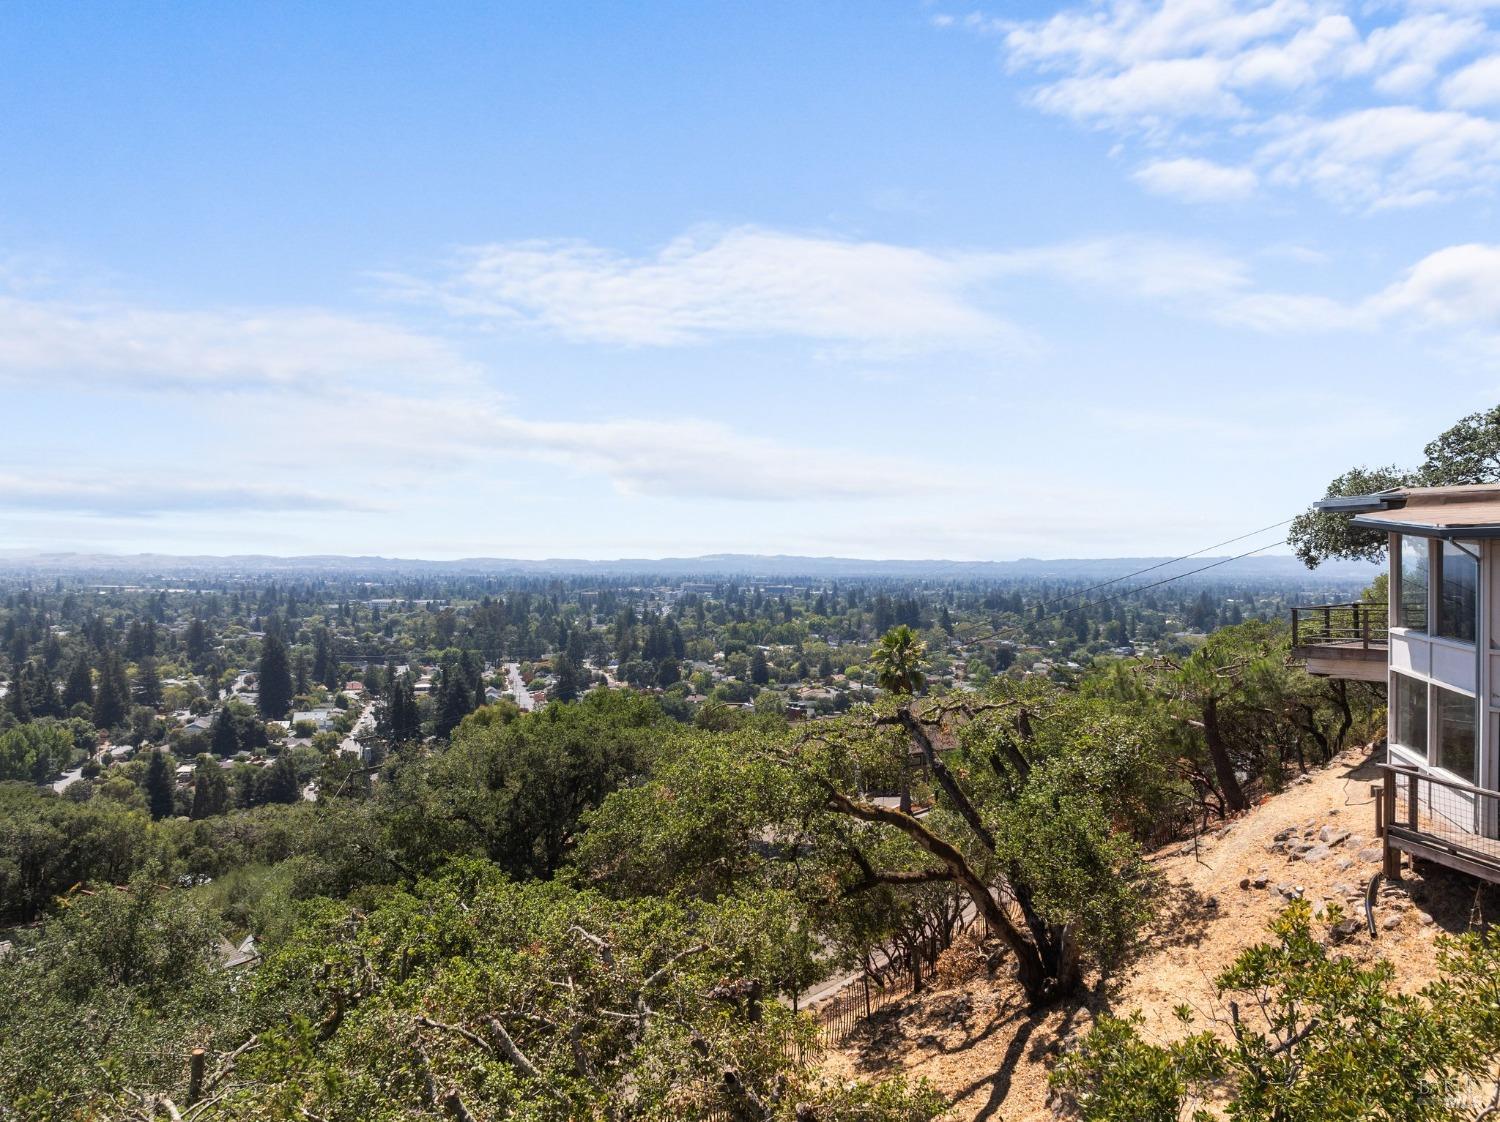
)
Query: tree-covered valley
[{"x": 338, "y": 848}]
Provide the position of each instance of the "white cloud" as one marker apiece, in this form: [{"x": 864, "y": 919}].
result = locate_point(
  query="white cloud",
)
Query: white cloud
[
  {"x": 136, "y": 496},
  {"x": 1476, "y": 86},
  {"x": 1459, "y": 285},
  {"x": 1389, "y": 156},
  {"x": 1405, "y": 57},
  {"x": 1197, "y": 181},
  {"x": 744, "y": 282},
  {"x": 130, "y": 345},
  {"x": 682, "y": 458},
  {"x": 1246, "y": 84}
]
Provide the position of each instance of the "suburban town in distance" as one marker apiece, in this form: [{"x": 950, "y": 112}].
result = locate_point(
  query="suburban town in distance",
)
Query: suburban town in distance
[{"x": 785, "y": 562}]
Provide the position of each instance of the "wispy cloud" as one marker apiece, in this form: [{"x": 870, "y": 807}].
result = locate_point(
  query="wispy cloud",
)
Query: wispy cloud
[
  {"x": 1196, "y": 181},
  {"x": 1371, "y": 106},
  {"x": 114, "y": 496},
  {"x": 132, "y": 345},
  {"x": 688, "y": 458},
  {"x": 740, "y": 283}
]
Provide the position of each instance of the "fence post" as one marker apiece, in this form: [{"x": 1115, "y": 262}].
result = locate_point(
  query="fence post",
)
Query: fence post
[
  {"x": 1391, "y": 856},
  {"x": 1411, "y": 800},
  {"x": 867, "y": 994},
  {"x": 1377, "y": 792},
  {"x": 1296, "y": 623}
]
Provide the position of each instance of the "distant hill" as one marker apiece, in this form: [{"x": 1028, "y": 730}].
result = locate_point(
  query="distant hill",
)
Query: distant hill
[{"x": 742, "y": 565}]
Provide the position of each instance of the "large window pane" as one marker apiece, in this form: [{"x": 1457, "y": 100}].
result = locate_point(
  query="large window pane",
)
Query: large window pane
[
  {"x": 1410, "y": 704},
  {"x": 1413, "y": 602},
  {"x": 1458, "y": 599},
  {"x": 1455, "y": 733}
]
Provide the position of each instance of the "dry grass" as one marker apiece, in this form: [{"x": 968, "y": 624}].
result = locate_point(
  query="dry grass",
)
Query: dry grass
[{"x": 971, "y": 1036}]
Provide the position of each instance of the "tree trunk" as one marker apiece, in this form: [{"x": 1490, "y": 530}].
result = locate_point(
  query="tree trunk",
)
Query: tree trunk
[
  {"x": 1031, "y": 971},
  {"x": 1346, "y": 715},
  {"x": 1234, "y": 795}
]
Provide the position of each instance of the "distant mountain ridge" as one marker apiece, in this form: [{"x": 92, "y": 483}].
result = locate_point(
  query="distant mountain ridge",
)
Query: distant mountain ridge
[{"x": 739, "y": 565}]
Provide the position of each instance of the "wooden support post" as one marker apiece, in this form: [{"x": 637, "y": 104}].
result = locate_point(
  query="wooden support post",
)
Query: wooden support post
[
  {"x": 1411, "y": 801},
  {"x": 1377, "y": 793},
  {"x": 1391, "y": 863}
]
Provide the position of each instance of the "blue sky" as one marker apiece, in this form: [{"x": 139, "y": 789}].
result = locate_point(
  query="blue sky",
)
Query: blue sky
[{"x": 876, "y": 279}]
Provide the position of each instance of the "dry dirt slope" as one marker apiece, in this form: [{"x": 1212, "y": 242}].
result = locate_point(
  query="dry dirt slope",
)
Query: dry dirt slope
[{"x": 974, "y": 1040}]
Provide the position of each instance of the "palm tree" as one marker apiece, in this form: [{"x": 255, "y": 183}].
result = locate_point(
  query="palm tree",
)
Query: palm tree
[{"x": 897, "y": 659}]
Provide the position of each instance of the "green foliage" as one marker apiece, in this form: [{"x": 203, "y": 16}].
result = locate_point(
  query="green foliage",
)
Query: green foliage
[
  {"x": 515, "y": 791},
  {"x": 451, "y": 994},
  {"x": 897, "y": 660},
  {"x": 108, "y": 997},
  {"x": 1469, "y": 452},
  {"x": 274, "y": 681},
  {"x": 36, "y": 751},
  {"x": 48, "y": 845},
  {"x": 1311, "y": 1036}
]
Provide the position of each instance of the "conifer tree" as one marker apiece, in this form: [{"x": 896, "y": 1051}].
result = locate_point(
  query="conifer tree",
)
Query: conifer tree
[
  {"x": 112, "y": 698},
  {"x": 760, "y": 670},
  {"x": 159, "y": 785},
  {"x": 226, "y": 741},
  {"x": 566, "y": 686},
  {"x": 79, "y": 689},
  {"x": 147, "y": 684},
  {"x": 275, "y": 678},
  {"x": 210, "y": 793}
]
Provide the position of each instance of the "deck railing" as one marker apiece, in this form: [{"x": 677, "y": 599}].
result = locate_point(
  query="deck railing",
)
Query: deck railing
[
  {"x": 1364, "y": 625},
  {"x": 1439, "y": 819}
]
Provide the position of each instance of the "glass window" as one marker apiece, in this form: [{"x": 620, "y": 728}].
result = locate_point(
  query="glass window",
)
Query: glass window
[
  {"x": 1458, "y": 599},
  {"x": 1410, "y": 705},
  {"x": 1455, "y": 714},
  {"x": 1413, "y": 601}
]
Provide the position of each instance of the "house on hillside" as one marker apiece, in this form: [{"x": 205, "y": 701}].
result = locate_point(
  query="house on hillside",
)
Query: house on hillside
[{"x": 1436, "y": 643}]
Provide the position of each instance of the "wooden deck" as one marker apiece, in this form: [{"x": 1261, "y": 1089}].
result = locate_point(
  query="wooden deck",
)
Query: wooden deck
[
  {"x": 1435, "y": 819},
  {"x": 1342, "y": 640}
]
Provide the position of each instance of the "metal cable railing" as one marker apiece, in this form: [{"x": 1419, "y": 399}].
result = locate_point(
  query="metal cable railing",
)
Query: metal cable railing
[
  {"x": 1447, "y": 820},
  {"x": 1363, "y": 625}
]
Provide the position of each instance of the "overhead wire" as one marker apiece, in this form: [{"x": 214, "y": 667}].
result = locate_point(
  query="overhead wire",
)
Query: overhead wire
[{"x": 1152, "y": 568}]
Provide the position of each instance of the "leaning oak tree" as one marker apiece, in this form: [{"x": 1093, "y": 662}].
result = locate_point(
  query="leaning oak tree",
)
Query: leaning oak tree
[{"x": 1033, "y": 852}]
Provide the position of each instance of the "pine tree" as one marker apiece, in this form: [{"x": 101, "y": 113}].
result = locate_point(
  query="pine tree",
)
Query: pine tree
[
  {"x": 196, "y": 640},
  {"x": 112, "y": 698},
  {"x": 226, "y": 740},
  {"x": 453, "y": 702},
  {"x": 79, "y": 689},
  {"x": 566, "y": 686},
  {"x": 41, "y": 696},
  {"x": 275, "y": 678},
  {"x": 147, "y": 684},
  {"x": 760, "y": 670},
  {"x": 159, "y": 785}
]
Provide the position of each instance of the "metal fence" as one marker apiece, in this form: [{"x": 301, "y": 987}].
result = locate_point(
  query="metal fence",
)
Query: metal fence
[{"x": 840, "y": 1015}]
